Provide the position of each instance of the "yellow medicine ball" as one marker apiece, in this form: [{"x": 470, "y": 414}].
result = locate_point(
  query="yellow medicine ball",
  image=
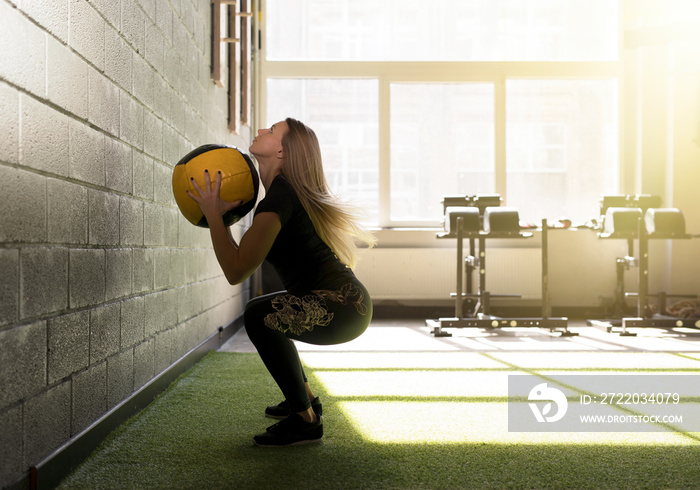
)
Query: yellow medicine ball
[{"x": 239, "y": 181}]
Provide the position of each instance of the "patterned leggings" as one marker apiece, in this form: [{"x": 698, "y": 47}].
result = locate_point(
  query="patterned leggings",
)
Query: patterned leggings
[{"x": 322, "y": 317}]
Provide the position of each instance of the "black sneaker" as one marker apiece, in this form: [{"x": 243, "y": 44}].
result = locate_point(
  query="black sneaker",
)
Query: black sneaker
[
  {"x": 281, "y": 410},
  {"x": 290, "y": 432}
]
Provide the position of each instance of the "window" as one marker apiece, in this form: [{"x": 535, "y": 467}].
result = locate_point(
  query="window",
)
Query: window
[
  {"x": 412, "y": 103},
  {"x": 343, "y": 114},
  {"x": 561, "y": 146},
  {"x": 451, "y": 151},
  {"x": 442, "y": 30}
]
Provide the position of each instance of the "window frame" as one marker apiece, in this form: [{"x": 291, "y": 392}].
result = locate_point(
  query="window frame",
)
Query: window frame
[{"x": 388, "y": 72}]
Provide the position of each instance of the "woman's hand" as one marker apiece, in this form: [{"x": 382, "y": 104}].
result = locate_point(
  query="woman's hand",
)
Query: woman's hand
[{"x": 209, "y": 199}]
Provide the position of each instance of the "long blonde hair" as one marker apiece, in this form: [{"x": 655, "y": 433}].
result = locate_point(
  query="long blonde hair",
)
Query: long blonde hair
[{"x": 335, "y": 221}]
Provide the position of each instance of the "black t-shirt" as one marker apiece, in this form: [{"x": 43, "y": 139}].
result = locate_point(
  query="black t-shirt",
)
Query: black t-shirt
[{"x": 303, "y": 261}]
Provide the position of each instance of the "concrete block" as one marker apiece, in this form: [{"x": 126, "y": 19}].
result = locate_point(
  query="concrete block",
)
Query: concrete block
[
  {"x": 67, "y": 80},
  {"x": 209, "y": 266},
  {"x": 162, "y": 97},
  {"x": 9, "y": 286},
  {"x": 183, "y": 338},
  {"x": 187, "y": 15},
  {"x": 120, "y": 377},
  {"x": 164, "y": 21},
  {"x": 118, "y": 167},
  {"x": 11, "y": 443},
  {"x": 149, "y": 7},
  {"x": 163, "y": 184},
  {"x": 144, "y": 77},
  {"x": 52, "y": 15},
  {"x": 23, "y": 48},
  {"x": 154, "y": 219},
  {"x": 133, "y": 24},
  {"x": 104, "y": 332},
  {"x": 188, "y": 235},
  {"x": 103, "y": 218},
  {"x": 171, "y": 223},
  {"x": 44, "y": 139},
  {"x": 118, "y": 273},
  {"x": 193, "y": 299},
  {"x": 119, "y": 59},
  {"x": 143, "y": 270},
  {"x": 133, "y": 318},
  {"x": 87, "y": 32},
  {"x": 163, "y": 353},
  {"x": 173, "y": 74},
  {"x": 111, "y": 11},
  {"x": 195, "y": 129},
  {"x": 180, "y": 45},
  {"x": 180, "y": 39},
  {"x": 144, "y": 363},
  {"x": 154, "y": 47},
  {"x": 195, "y": 265},
  {"x": 185, "y": 304},
  {"x": 89, "y": 396},
  {"x": 43, "y": 281},
  {"x": 22, "y": 362},
  {"x": 153, "y": 135},
  {"x": 87, "y": 154},
  {"x": 87, "y": 277},
  {"x": 68, "y": 212},
  {"x": 130, "y": 221},
  {"x": 204, "y": 325},
  {"x": 44, "y": 434},
  {"x": 201, "y": 20},
  {"x": 143, "y": 175},
  {"x": 171, "y": 150},
  {"x": 9, "y": 124},
  {"x": 178, "y": 257},
  {"x": 103, "y": 102},
  {"x": 177, "y": 9},
  {"x": 69, "y": 345},
  {"x": 161, "y": 262},
  {"x": 161, "y": 311},
  {"x": 177, "y": 120},
  {"x": 130, "y": 120}
]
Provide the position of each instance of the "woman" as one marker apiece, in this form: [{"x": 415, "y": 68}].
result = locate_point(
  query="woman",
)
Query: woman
[{"x": 309, "y": 237}]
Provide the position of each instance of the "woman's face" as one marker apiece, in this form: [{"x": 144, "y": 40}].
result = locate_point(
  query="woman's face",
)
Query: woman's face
[{"x": 268, "y": 143}]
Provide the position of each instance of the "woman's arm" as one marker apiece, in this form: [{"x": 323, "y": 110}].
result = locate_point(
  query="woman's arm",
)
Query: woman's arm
[{"x": 238, "y": 261}]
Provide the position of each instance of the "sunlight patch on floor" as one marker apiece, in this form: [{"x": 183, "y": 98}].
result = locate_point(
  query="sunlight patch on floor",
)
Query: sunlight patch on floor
[
  {"x": 402, "y": 385},
  {"x": 473, "y": 423},
  {"x": 596, "y": 360},
  {"x": 399, "y": 360},
  {"x": 414, "y": 383}
]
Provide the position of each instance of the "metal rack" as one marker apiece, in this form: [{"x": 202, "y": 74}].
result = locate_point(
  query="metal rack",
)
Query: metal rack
[
  {"x": 475, "y": 212},
  {"x": 641, "y": 218}
]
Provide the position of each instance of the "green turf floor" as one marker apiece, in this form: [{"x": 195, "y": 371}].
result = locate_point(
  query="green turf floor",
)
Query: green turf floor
[{"x": 389, "y": 425}]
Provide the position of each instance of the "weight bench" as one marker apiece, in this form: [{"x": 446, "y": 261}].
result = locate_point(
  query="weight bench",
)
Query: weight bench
[
  {"x": 478, "y": 218},
  {"x": 641, "y": 218}
]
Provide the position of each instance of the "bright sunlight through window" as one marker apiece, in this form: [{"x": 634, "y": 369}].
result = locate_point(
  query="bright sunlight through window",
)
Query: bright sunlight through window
[{"x": 414, "y": 101}]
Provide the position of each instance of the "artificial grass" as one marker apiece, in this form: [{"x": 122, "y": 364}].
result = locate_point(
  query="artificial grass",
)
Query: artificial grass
[{"x": 198, "y": 434}]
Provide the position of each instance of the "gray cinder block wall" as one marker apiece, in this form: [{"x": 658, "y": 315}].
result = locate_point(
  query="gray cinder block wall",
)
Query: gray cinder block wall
[{"x": 103, "y": 284}]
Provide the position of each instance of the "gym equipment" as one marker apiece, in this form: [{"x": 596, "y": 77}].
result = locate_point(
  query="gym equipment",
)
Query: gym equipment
[
  {"x": 239, "y": 181},
  {"x": 640, "y": 217},
  {"x": 478, "y": 218}
]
